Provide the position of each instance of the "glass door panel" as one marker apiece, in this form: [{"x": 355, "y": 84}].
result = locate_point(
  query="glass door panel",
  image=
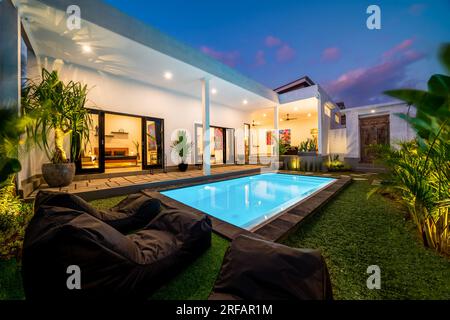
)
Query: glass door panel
[
  {"x": 229, "y": 140},
  {"x": 152, "y": 143},
  {"x": 247, "y": 142},
  {"x": 91, "y": 158}
]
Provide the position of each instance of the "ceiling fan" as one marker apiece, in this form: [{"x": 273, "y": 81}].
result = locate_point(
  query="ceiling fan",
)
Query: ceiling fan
[
  {"x": 255, "y": 124},
  {"x": 288, "y": 118}
]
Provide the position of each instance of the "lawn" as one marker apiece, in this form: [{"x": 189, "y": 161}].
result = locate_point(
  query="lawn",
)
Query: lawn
[{"x": 352, "y": 233}]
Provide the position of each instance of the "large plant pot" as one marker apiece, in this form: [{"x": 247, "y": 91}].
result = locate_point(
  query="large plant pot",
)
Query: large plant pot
[
  {"x": 182, "y": 167},
  {"x": 58, "y": 175}
]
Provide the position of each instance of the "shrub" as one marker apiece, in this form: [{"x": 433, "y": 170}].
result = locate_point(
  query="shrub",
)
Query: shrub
[
  {"x": 335, "y": 165},
  {"x": 420, "y": 169},
  {"x": 14, "y": 217}
]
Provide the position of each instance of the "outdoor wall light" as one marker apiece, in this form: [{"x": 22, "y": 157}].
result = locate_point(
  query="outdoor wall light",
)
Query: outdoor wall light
[
  {"x": 168, "y": 75},
  {"x": 86, "y": 48}
]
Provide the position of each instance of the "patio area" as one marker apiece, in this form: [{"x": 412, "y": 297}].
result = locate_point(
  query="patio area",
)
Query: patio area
[{"x": 91, "y": 189}]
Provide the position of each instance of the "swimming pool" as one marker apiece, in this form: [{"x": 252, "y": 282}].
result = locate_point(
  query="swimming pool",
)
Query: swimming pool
[{"x": 249, "y": 201}]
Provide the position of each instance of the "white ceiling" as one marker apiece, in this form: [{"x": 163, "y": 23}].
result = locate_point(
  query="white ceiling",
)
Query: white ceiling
[{"x": 118, "y": 55}]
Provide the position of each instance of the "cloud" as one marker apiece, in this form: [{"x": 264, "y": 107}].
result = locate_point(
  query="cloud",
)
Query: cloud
[
  {"x": 230, "y": 58},
  {"x": 285, "y": 53},
  {"x": 417, "y": 9},
  {"x": 272, "y": 41},
  {"x": 398, "y": 48},
  {"x": 260, "y": 58},
  {"x": 331, "y": 54},
  {"x": 362, "y": 86}
]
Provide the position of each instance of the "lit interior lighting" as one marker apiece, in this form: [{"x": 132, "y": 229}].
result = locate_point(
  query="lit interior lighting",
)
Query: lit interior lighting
[
  {"x": 213, "y": 90},
  {"x": 309, "y": 115},
  {"x": 296, "y": 109},
  {"x": 168, "y": 75},
  {"x": 245, "y": 102},
  {"x": 264, "y": 115},
  {"x": 372, "y": 111}
]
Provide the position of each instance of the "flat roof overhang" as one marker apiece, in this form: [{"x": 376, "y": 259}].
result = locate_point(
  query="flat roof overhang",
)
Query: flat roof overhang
[{"x": 125, "y": 47}]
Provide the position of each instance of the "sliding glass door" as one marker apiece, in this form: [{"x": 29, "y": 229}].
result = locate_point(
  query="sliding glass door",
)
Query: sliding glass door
[
  {"x": 152, "y": 143},
  {"x": 92, "y": 149},
  {"x": 222, "y": 145},
  {"x": 120, "y": 143}
]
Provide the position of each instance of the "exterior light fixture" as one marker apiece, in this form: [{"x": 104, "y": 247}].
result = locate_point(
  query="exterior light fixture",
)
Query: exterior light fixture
[
  {"x": 86, "y": 48},
  {"x": 168, "y": 75}
]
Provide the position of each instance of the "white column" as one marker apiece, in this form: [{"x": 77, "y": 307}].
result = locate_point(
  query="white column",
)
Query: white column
[
  {"x": 9, "y": 55},
  {"x": 206, "y": 129},
  {"x": 320, "y": 115}
]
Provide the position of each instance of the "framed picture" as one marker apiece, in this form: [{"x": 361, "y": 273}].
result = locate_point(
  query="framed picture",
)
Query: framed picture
[{"x": 285, "y": 136}]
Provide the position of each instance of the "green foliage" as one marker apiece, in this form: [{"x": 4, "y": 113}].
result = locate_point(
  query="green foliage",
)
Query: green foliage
[
  {"x": 12, "y": 127},
  {"x": 14, "y": 217},
  {"x": 309, "y": 145},
  {"x": 57, "y": 107},
  {"x": 182, "y": 146},
  {"x": 420, "y": 170},
  {"x": 334, "y": 164}
]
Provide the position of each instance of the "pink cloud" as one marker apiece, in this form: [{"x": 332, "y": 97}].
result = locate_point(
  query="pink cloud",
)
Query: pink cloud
[
  {"x": 285, "y": 53},
  {"x": 365, "y": 85},
  {"x": 230, "y": 58},
  {"x": 272, "y": 41},
  {"x": 398, "y": 48},
  {"x": 331, "y": 54},
  {"x": 260, "y": 58}
]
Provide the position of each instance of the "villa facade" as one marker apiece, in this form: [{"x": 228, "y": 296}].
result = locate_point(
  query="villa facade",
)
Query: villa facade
[{"x": 145, "y": 86}]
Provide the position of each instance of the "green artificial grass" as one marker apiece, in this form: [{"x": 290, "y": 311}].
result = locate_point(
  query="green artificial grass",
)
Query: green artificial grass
[{"x": 352, "y": 232}]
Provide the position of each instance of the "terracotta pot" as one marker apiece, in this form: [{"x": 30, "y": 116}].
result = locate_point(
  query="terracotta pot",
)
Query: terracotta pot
[
  {"x": 182, "y": 167},
  {"x": 59, "y": 174}
]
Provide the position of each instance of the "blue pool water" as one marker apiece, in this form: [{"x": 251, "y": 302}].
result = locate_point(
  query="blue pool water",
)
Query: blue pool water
[{"x": 249, "y": 201}]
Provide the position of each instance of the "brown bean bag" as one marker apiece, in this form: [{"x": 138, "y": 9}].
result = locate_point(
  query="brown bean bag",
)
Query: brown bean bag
[
  {"x": 132, "y": 213},
  {"x": 113, "y": 265},
  {"x": 255, "y": 269}
]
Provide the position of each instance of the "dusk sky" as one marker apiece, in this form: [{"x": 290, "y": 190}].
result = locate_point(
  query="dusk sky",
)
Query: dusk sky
[{"x": 275, "y": 42}]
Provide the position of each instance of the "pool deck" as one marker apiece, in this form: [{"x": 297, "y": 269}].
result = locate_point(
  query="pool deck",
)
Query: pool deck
[
  {"x": 99, "y": 188},
  {"x": 276, "y": 228}
]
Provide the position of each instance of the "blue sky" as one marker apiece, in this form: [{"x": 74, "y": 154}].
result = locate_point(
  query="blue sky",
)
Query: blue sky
[{"x": 275, "y": 42}]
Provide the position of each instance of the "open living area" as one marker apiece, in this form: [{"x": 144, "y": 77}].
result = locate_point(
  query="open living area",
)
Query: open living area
[{"x": 136, "y": 166}]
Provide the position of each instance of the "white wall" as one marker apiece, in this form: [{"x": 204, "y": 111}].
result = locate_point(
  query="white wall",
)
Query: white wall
[
  {"x": 398, "y": 128},
  {"x": 337, "y": 139},
  {"x": 110, "y": 93}
]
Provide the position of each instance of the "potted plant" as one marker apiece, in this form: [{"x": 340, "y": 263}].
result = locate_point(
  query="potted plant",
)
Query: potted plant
[
  {"x": 57, "y": 109},
  {"x": 182, "y": 148}
]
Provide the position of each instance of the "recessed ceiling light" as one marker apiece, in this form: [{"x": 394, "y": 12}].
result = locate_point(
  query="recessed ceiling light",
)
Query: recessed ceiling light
[
  {"x": 213, "y": 90},
  {"x": 168, "y": 75},
  {"x": 372, "y": 111},
  {"x": 309, "y": 114},
  {"x": 296, "y": 108},
  {"x": 281, "y": 119},
  {"x": 245, "y": 102},
  {"x": 264, "y": 115},
  {"x": 86, "y": 48}
]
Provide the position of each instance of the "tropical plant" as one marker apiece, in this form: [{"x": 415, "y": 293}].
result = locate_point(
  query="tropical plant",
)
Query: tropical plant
[
  {"x": 57, "y": 107},
  {"x": 182, "y": 146},
  {"x": 309, "y": 145},
  {"x": 420, "y": 170},
  {"x": 335, "y": 164},
  {"x": 12, "y": 128}
]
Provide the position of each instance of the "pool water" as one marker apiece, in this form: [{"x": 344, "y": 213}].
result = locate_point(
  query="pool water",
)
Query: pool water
[{"x": 249, "y": 201}]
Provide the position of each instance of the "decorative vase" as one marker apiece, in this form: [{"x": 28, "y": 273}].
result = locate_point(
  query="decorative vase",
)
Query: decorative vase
[
  {"x": 58, "y": 174},
  {"x": 182, "y": 166}
]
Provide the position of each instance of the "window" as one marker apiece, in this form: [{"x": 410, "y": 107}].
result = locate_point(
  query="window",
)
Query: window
[{"x": 337, "y": 118}]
